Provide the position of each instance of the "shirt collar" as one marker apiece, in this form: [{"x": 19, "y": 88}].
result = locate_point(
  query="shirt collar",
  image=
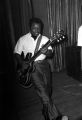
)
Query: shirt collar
[{"x": 32, "y": 37}]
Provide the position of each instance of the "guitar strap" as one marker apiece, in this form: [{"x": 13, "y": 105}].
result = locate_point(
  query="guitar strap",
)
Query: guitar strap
[{"x": 37, "y": 44}]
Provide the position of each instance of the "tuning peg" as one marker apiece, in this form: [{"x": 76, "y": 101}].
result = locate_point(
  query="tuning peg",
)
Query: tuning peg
[
  {"x": 58, "y": 40},
  {"x": 63, "y": 37}
]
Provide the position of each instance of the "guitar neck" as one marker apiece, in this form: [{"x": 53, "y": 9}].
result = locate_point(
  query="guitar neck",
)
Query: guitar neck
[{"x": 58, "y": 38}]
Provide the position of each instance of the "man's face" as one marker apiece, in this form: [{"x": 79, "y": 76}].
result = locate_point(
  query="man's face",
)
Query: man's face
[{"x": 35, "y": 29}]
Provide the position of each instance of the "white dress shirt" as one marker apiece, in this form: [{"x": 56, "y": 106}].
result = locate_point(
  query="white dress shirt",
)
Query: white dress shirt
[{"x": 27, "y": 44}]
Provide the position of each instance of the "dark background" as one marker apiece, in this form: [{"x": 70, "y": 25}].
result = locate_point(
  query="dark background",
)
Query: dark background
[
  {"x": 7, "y": 70},
  {"x": 6, "y": 66}
]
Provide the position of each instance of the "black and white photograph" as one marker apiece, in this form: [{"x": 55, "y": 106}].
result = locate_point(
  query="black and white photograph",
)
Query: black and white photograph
[{"x": 41, "y": 59}]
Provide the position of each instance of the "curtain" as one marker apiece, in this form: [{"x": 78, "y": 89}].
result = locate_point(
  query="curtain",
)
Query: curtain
[
  {"x": 63, "y": 15},
  {"x": 26, "y": 13},
  {"x": 56, "y": 15}
]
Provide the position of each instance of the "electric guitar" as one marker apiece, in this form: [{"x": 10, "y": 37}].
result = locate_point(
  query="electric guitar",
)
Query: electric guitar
[{"x": 24, "y": 77}]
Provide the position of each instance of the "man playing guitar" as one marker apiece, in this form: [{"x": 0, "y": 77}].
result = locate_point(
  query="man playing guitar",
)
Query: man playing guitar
[{"x": 40, "y": 72}]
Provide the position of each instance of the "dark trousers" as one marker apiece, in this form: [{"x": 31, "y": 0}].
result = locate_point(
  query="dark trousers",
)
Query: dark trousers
[{"x": 43, "y": 84}]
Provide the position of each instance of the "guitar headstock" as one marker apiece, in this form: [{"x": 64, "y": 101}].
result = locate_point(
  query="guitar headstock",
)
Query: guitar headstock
[{"x": 59, "y": 37}]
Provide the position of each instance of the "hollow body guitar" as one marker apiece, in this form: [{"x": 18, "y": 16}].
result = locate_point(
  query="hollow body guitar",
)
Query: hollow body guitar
[{"x": 24, "y": 77}]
